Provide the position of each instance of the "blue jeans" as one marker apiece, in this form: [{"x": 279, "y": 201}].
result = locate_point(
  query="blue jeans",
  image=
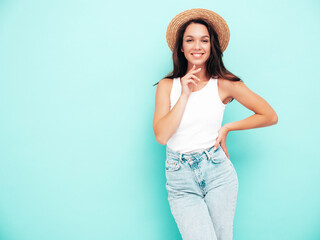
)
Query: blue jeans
[{"x": 202, "y": 193}]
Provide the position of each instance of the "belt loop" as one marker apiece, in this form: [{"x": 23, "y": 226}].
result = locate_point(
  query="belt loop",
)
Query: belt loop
[{"x": 208, "y": 154}]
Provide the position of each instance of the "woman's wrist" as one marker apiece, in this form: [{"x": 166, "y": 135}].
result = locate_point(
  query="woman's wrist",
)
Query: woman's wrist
[
  {"x": 227, "y": 127},
  {"x": 184, "y": 96}
]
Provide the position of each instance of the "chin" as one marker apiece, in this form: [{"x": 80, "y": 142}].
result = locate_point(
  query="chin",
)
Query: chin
[{"x": 197, "y": 63}]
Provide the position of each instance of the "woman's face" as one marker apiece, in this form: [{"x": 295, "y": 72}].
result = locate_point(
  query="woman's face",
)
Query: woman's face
[{"x": 196, "y": 44}]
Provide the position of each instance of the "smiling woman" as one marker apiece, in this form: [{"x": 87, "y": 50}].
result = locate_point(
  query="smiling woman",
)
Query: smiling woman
[
  {"x": 197, "y": 42},
  {"x": 202, "y": 183}
]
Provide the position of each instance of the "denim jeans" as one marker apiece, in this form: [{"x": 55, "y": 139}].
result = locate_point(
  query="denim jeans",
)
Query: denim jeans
[{"x": 202, "y": 193}]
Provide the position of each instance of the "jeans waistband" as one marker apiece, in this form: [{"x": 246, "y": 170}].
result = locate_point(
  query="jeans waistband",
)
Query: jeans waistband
[{"x": 185, "y": 156}]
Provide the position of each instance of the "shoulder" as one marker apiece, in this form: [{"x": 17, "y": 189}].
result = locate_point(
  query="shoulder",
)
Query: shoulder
[
  {"x": 165, "y": 85},
  {"x": 166, "y": 82},
  {"x": 231, "y": 87},
  {"x": 229, "y": 83}
]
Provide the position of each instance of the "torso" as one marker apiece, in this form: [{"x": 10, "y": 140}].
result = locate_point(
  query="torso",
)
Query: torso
[
  {"x": 200, "y": 85},
  {"x": 223, "y": 93}
]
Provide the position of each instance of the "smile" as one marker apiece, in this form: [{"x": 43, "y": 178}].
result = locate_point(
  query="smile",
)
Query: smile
[{"x": 197, "y": 55}]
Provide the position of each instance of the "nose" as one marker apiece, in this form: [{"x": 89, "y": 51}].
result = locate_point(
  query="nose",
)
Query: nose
[{"x": 197, "y": 45}]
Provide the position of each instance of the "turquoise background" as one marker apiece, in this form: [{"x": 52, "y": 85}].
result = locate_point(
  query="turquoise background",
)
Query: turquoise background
[{"x": 78, "y": 158}]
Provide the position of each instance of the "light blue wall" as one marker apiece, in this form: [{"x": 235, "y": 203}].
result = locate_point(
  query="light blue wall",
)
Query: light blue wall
[{"x": 78, "y": 158}]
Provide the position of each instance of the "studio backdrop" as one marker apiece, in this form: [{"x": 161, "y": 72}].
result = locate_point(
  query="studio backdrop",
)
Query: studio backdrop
[{"x": 78, "y": 157}]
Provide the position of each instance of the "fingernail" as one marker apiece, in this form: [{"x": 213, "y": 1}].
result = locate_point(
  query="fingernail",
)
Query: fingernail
[{"x": 214, "y": 148}]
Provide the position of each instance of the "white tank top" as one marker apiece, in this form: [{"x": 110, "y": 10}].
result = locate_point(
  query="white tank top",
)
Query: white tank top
[{"x": 201, "y": 119}]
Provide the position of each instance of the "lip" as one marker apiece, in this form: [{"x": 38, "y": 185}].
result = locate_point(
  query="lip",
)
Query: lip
[{"x": 198, "y": 55}]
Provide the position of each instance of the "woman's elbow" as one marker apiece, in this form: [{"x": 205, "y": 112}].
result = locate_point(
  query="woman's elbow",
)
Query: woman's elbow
[
  {"x": 161, "y": 140},
  {"x": 274, "y": 119}
]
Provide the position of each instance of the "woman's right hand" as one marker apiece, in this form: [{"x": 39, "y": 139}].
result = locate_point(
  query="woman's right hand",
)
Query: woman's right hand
[{"x": 189, "y": 80}]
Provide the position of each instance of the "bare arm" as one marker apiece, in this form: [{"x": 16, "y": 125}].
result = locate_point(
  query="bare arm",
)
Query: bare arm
[
  {"x": 264, "y": 114},
  {"x": 166, "y": 122}
]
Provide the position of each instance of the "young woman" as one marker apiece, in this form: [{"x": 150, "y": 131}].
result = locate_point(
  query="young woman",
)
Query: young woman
[{"x": 202, "y": 183}]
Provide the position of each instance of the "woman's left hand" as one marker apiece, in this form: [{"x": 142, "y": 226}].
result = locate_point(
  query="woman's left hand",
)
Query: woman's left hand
[{"x": 222, "y": 139}]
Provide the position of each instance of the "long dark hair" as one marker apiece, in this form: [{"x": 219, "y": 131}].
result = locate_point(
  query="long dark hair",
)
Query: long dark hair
[{"x": 214, "y": 66}]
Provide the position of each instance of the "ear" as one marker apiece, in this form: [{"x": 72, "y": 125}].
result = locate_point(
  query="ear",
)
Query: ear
[{"x": 181, "y": 49}]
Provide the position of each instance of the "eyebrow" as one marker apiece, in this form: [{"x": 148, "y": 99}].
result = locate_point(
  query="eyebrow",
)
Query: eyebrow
[{"x": 201, "y": 37}]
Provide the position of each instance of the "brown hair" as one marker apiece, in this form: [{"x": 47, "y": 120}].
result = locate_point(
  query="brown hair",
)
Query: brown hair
[{"x": 215, "y": 66}]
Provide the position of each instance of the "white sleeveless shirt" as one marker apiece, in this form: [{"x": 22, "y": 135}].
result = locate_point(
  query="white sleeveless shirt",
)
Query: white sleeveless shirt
[{"x": 201, "y": 119}]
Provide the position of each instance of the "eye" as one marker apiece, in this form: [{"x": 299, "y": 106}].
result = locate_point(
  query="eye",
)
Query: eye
[
  {"x": 205, "y": 41},
  {"x": 189, "y": 40}
]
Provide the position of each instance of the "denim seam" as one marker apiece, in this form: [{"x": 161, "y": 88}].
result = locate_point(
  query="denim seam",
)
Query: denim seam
[
  {"x": 236, "y": 186},
  {"x": 196, "y": 179}
]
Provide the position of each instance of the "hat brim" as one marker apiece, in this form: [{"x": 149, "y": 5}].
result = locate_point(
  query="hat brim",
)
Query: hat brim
[{"x": 218, "y": 23}]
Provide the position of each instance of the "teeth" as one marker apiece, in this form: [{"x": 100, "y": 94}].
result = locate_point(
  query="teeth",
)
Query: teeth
[{"x": 197, "y": 55}]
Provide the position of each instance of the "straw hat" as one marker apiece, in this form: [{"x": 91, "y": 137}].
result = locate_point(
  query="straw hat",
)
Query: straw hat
[{"x": 218, "y": 23}]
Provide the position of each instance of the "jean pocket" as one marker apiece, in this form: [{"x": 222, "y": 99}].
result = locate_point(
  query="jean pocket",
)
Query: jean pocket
[
  {"x": 218, "y": 156},
  {"x": 172, "y": 165}
]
